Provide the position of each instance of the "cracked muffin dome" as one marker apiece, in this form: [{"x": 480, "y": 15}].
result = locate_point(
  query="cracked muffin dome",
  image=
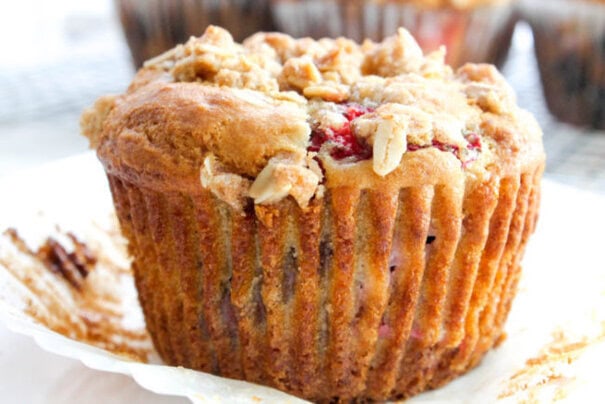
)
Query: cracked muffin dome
[
  {"x": 276, "y": 116},
  {"x": 296, "y": 208}
]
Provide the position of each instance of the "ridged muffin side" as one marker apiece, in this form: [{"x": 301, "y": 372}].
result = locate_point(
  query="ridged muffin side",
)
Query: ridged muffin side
[{"x": 386, "y": 294}]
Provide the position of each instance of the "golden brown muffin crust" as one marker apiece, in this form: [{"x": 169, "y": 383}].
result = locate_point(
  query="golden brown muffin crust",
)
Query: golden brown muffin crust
[
  {"x": 242, "y": 128},
  {"x": 250, "y": 114}
]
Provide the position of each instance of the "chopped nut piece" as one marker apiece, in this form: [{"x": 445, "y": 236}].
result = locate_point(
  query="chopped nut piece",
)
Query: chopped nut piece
[
  {"x": 203, "y": 57},
  {"x": 483, "y": 73},
  {"x": 448, "y": 130},
  {"x": 342, "y": 62},
  {"x": 313, "y": 165},
  {"x": 229, "y": 187},
  {"x": 280, "y": 44},
  {"x": 281, "y": 178},
  {"x": 368, "y": 91},
  {"x": 395, "y": 55},
  {"x": 333, "y": 92},
  {"x": 389, "y": 129},
  {"x": 487, "y": 98},
  {"x": 267, "y": 189},
  {"x": 389, "y": 146},
  {"x": 299, "y": 73},
  {"x": 326, "y": 115},
  {"x": 254, "y": 79}
]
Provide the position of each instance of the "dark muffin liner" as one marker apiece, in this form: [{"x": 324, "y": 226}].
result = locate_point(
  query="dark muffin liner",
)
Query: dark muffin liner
[{"x": 569, "y": 40}]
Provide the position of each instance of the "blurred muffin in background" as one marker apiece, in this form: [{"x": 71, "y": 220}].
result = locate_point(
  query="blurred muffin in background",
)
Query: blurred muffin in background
[
  {"x": 153, "y": 26},
  {"x": 472, "y": 30},
  {"x": 569, "y": 40}
]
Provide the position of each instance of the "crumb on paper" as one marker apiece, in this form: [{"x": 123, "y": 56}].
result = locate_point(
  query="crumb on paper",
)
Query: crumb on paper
[
  {"x": 550, "y": 368},
  {"x": 76, "y": 288},
  {"x": 73, "y": 266}
]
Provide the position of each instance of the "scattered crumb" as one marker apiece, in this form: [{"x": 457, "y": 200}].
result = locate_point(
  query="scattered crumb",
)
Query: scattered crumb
[
  {"x": 549, "y": 368},
  {"x": 73, "y": 266},
  {"x": 77, "y": 288}
]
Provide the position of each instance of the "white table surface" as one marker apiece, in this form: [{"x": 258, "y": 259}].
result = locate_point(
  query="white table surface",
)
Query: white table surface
[{"x": 31, "y": 375}]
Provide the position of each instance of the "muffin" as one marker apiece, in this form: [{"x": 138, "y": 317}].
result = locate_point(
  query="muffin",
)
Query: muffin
[
  {"x": 472, "y": 30},
  {"x": 570, "y": 47},
  {"x": 297, "y": 208},
  {"x": 154, "y": 26}
]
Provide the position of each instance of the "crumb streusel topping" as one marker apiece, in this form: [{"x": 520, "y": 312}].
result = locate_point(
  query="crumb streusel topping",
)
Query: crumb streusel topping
[{"x": 277, "y": 116}]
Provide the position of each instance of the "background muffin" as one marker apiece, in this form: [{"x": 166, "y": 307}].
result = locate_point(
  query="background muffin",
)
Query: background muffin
[
  {"x": 569, "y": 40},
  {"x": 298, "y": 208},
  {"x": 472, "y": 30},
  {"x": 153, "y": 26}
]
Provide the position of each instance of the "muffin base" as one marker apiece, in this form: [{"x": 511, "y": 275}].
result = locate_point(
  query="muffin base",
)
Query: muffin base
[{"x": 363, "y": 295}]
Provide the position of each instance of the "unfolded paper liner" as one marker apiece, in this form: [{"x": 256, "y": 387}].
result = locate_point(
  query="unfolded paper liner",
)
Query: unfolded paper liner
[
  {"x": 554, "y": 347},
  {"x": 481, "y": 34},
  {"x": 100, "y": 323}
]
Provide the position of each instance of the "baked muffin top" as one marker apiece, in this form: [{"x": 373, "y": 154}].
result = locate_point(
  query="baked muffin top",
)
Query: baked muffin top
[{"x": 277, "y": 116}]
